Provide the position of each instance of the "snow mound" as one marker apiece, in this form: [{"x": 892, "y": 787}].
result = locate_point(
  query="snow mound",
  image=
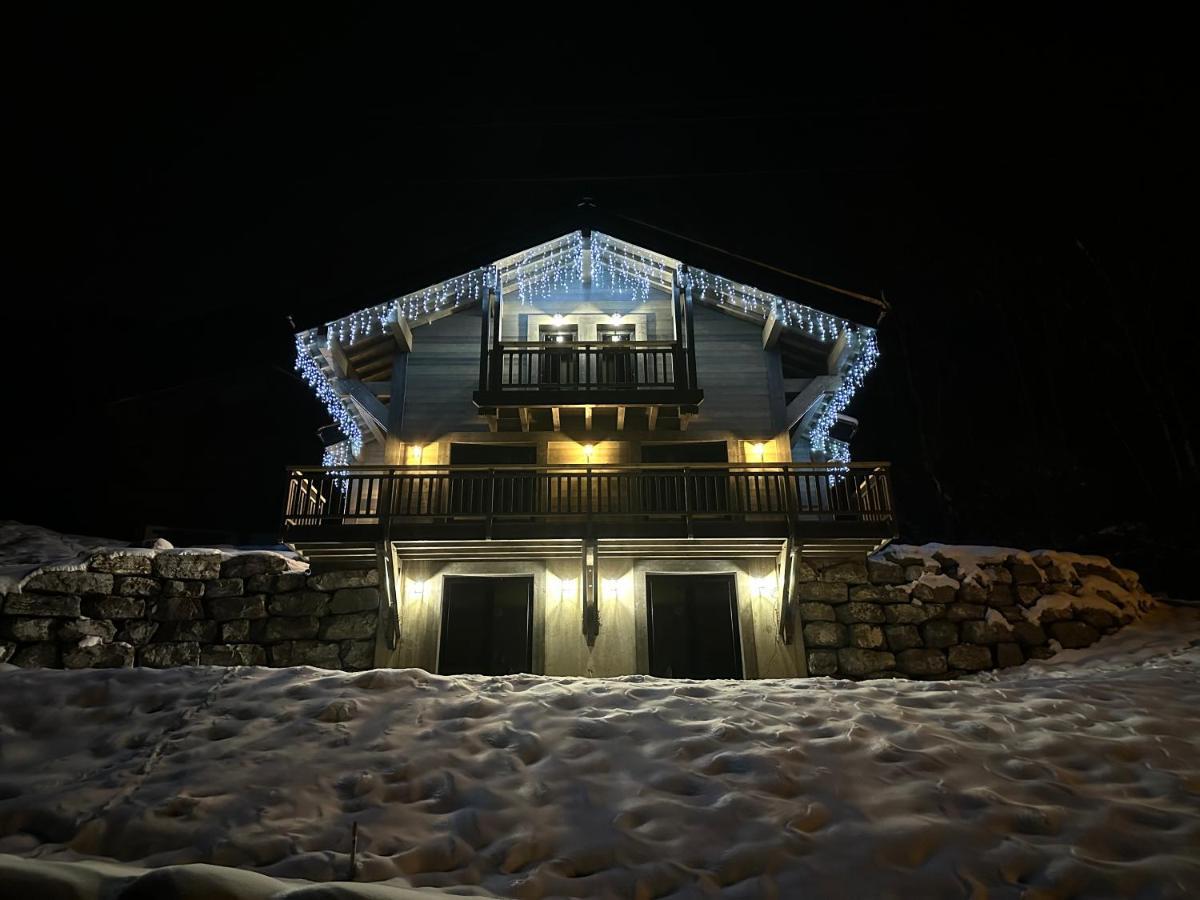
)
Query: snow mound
[{"x": 1071, "y": 777}]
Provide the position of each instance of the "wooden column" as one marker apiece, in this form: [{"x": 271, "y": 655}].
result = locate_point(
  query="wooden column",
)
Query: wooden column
[
  {"x": 485, "y": 304},
  {"x": 691, "y": 337}
]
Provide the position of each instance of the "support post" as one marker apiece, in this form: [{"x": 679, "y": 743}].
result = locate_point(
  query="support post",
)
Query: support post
[
  {"x": 485, "y": 313},
  {"x": 691, "y": 336}
]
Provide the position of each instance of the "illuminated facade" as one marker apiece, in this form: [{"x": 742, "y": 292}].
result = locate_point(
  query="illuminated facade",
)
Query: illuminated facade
[{"x": 594, "y": 458}]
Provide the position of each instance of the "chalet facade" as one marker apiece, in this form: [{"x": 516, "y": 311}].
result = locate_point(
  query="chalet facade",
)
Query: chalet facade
[{"x": 598, "y": 456}]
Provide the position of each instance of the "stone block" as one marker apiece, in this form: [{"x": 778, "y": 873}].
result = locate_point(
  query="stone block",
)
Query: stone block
[
  {"x": 64, "y": 582},
  {"x": 912, "y": 613},
  {"x": 822, "y": 662},
  {"x": 804, "y": 571},
  {"x": 970, "y": 657},
  {"x": 1027, "y": 594},
  {"x": 1029, "y": 634},
  {"x": 824, "y": 634},
  {"x": 43, "y": 655},
  {"x": 822, "y": 592},
  {"x": 883, "y": 571},
  {"x": 997, "y": 574},
  {"x": 867, "y": 637},
  {"x": 1039, "y": 652},
  {"x": 963, "y": 612},
  {"x": 114, "y": 607},
  {"x": 921, "y": 662},
  {"x": 286, "y": 582},
  {"x": 165, "y": 656},
  {"x": 971, "y": 592},
  {"x": 131, "y": 561},
  {"x": 203, "y": 631},
  {"x": 27, "y": 630},
  {"x": 174, "y": 588},
  {"x": 940, "y": 633},
  {"x": 975, "y": 632},
  {"x": 1025, "y": 572},
  {"x": 878, "y": 593},
  {"x": 1008, "y": 655},
  {"x": 73, "y": 630},
  {"x": 188, "y": 565},
  {"x": 224, "y": 609},
  {"x": 304, "y": 603},
  {"x": 1001, "y": 595},
  {"x": 306, "y": 653},
  {"x": 137, "y": 586},
  {"x": 137, "y": 632},
  {"x": 902, "y": 637},
  {"x": 816, "y": 612},
  {"x": 7, "y": 649},
  {"x": 41, "y": 605},
  {"x": 351, "y": 626},
  {"x": 169, "y": 609},
  {"x": 99, "y": 656},
  {"x": 244, "y": 565},
  {"x": 870, "y": 613},
  {"x": 1100, "y": 619},
  {"x": 233, "y": 655},
  {"x": 857, "y": 662},
  {"x": 291, "y": 628},
  {"x": 223, "y": 587},
  {"x": 357, "y": 655},
  {"x": 349, "y": 600},
  {"x": 934, "y": 593},
  {"x": 236, "y": 631},
  {"x": 846, "y": 571},
  {"x": 1072, "y": 635},
  {"x": 347, "y": 578}
]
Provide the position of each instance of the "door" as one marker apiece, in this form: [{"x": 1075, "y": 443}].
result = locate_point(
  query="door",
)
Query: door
[
  {"x": 487, "y": 625},
  {"x": 473, "y": 493},
  {"x": 616, "y": 366},
  {"x": 560, "y": 366},
  {"x": 693, "y": 626},
  {"x": 705, "y": 490}
]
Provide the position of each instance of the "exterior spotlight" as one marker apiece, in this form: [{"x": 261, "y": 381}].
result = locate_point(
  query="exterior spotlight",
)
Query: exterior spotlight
[
  {"x": 758, "y": 450},
  {"x": 588, "y": 450},
  {"x": 615, "y": 318},
  {"x": 417, "y": 589},
  {"x": 557, "y": 320}
]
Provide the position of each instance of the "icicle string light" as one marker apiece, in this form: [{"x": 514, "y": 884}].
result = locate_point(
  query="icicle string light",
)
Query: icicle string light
[
  {"x": 546, "y": 270},
  {"x": 626, "y": 269},
  {"x": 321, "y": 386},
  {"x": 822, "y": 326},
  {"x": 864, "y": 353}
]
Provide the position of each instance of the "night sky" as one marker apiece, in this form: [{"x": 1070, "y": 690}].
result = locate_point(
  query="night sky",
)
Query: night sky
[{"x": 1009, "y": 187}]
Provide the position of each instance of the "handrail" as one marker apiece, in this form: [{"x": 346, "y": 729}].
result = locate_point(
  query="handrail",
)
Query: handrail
[
  {"x": 427, "y": 468},
  {"x": 605, "y": 345}
]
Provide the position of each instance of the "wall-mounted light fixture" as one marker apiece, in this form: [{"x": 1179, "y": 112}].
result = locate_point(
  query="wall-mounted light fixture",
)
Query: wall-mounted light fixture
[
  {"x": 588, "y": 450},
  {"x": 758, "y": 451},
  {"x": 557, "y": 319},
  {"x": 615, "y": 318}
]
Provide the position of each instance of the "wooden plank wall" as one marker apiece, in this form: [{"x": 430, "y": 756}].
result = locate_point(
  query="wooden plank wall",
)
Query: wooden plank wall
[{"x": 443, "y": 373}]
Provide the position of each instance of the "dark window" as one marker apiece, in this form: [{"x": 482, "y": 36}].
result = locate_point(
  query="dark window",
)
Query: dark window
[
  {"x": 559, "y": 366},
  {"x": 487, "y": 626},
  {"x": 701, "y": 491},
  {"x": 474, "y": 493},
  {"x": 693, "y": 626},
  {"x": 616, "y": 367}
]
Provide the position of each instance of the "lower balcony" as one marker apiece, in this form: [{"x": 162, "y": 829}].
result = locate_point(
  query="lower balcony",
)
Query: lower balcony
[{"x": 802, "y": 501}]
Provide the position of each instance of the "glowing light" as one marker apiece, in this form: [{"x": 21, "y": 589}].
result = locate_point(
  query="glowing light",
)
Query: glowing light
[
  {"x": 558, "y": 319},
  {"x": 588, "y": 450},
  {"x": 763, "y": 587},
  {"x": 758, "y": 450},
  {"x": 615, "y": 318},
  {"x": 416, "y": 589}
]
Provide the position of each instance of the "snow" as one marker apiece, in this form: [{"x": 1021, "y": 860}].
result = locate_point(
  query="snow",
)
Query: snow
[
  {"x": 970, "y": 559},
  {"x": 27, "y": 549},
  {"x": 1075, "y": 776}
]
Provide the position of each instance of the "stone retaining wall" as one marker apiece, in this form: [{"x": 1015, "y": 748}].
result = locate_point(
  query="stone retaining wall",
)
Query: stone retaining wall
[
  {"x": 942, "y": 611},
  {"x": 190, "y": 607}
]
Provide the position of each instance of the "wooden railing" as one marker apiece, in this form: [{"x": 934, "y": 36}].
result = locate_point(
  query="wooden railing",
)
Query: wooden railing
[
  {"x": 586, "y": 365},
  {"x": 323, "y": 499}
]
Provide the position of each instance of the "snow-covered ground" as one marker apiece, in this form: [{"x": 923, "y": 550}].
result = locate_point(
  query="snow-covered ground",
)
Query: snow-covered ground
[{"x": 1079, "y": 776}]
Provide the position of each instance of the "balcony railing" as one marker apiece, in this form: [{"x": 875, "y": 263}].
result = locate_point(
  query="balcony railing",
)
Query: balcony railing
[
  {"x": 581, "y": 500},
  {"x": 586, "y": 365}
]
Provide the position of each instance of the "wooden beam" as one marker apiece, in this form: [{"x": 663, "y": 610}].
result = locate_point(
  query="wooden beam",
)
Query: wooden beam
[
  {"x": 772, "y": 329},
  {"x": 684, "y": 418},
  {"x": 393, "y": 448},
  {"x": 803, "y": 402},
  {"x": 398, "y": 327},
  {"x": 524, "y": 418},
  {"x": 554, "y": 412},
  {"x": 620, "y": 418},
  {"x": 493, "y": 423},
  {"x": 374, "y": 426},
  {"x": 652, "y": 415},
  {"x": 587, "y": 418},
  {"x": 838, "y": 353},
  {"x": 336, "y": 355}
]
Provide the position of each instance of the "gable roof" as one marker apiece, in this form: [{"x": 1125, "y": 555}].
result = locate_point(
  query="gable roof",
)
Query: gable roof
[{"x": 744, "y": 288}]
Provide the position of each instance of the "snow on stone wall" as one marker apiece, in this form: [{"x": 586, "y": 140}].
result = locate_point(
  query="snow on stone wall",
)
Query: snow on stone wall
[
  {"x": 132, "y": 606},
  {"x": 941, "y": 611}
]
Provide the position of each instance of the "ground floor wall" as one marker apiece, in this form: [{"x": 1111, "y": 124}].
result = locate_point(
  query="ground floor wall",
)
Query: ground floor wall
[{"x": 925, "y": 612}]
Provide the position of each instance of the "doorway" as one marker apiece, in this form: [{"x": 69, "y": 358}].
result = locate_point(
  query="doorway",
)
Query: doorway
[
  {"x": 692, "y": 626},
  {"x": 487, "y": 625}
]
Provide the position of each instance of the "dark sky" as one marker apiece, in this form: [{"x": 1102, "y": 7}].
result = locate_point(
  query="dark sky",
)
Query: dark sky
[{"x": 1010, "y": 186}]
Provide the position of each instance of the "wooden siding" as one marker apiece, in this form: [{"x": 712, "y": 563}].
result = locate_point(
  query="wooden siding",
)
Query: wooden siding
[
  {"x": 443, "y": 372},
  {"x": 733, "y": 371},
  {"x": 589, "y": 308}
]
